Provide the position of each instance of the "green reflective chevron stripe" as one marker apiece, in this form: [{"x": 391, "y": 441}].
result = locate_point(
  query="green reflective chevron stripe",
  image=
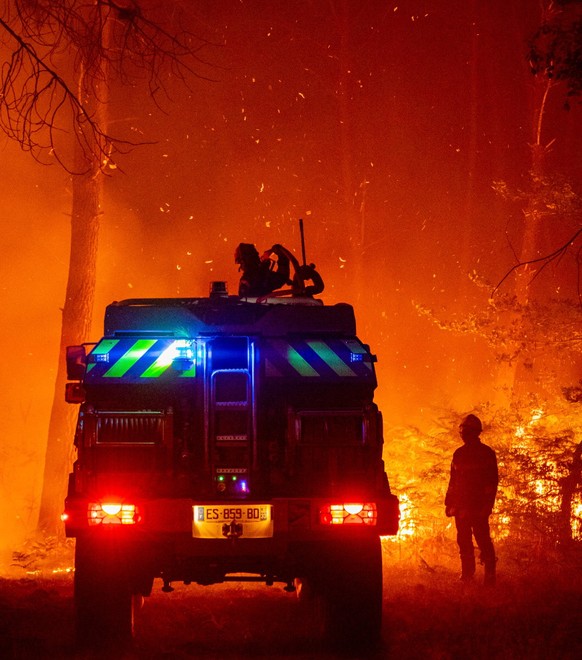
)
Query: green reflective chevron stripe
[
  {"x": 164, "y": 360},
  {"x": 299, "y": 363},
  {"x": 158, "y": 367},
  {"x": 331, "y": 358},
  {"x": 129, "y": 358},
  {"x": 104, "y": 346}
]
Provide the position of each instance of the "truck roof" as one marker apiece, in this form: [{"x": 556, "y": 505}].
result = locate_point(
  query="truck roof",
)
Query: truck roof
[{"x": 191, "y": 317}]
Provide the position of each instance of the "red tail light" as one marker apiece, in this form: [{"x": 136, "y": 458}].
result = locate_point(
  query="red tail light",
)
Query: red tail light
[
  {"x": 112, "y": 513},
  {"x": 350, "y": 513}
]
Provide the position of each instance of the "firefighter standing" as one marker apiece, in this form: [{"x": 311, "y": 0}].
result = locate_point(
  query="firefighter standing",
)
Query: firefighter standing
[{"x": 470, "y": 498}]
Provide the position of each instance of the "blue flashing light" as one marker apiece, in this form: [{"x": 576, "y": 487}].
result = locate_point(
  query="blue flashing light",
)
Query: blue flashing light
[
  {"x": 184, "y": 349},
  {"x": 356, "y": 357}
]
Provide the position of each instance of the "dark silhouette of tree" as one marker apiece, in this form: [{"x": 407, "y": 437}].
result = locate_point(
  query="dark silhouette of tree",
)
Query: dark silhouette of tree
[
  {"x": 63, "y": 55},
  {"x": 555, "y": 50}
]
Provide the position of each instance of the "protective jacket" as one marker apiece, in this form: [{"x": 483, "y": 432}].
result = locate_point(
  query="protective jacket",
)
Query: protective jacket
[{"x": 474, "y": 479}]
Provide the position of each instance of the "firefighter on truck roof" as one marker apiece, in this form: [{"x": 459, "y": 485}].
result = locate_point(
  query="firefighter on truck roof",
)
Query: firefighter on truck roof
[{"x": 263, "y": 275}]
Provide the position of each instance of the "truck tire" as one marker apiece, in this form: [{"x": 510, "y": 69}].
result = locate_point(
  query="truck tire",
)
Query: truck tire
[
  {"x": 346, "y": 587},
  {"x": 104, "y": 601}
]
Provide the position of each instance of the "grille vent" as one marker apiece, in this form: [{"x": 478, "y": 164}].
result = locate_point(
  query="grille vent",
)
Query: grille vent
[{"x": 144, "y": 429}]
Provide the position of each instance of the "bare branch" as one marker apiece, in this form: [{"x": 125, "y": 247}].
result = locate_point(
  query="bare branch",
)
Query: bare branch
[
  {"x": 546, "y": 259},
  {"x": 31, "y": 99},
  {"x": 111, "y": 39}
]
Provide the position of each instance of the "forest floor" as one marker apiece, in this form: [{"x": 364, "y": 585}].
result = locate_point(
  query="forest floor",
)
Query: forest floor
[{"x": 534, "y": 612}]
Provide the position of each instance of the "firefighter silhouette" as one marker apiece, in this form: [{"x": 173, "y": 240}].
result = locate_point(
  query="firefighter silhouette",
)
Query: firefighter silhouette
[
  {"x": 470, "y": 498},
  {"x": 262, "y": 275}
]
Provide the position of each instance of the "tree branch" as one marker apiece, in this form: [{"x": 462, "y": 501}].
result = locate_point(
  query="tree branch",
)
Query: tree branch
[
  {"x": 548, "y": 258},
  {"x": 111, "y": 39}
]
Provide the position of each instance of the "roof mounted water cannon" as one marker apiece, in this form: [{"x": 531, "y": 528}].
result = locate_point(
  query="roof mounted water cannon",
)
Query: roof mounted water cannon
[{"x": 266, "y": 275}]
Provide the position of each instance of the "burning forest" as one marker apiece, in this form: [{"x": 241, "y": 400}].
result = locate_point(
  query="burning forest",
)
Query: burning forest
[{"x": 426, "y": 164}]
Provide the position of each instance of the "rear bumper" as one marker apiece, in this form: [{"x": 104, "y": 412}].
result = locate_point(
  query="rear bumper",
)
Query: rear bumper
[
  {"x": 293, "y": 518},
  {"x": 162, "y": 544}
]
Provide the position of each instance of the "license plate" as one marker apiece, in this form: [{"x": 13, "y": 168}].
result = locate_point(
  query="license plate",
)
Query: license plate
[{"x": 219, "y": 521}]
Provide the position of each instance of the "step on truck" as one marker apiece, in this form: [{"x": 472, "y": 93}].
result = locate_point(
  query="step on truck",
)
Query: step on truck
[{"x": 222, "y": 439}]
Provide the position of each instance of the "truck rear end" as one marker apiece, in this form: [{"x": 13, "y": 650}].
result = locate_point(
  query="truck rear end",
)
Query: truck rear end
[{"x": 224, "y": 439}]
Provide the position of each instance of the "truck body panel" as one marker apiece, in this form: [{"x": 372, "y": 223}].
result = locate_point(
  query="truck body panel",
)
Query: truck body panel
[{"x": 219, "y": 436}]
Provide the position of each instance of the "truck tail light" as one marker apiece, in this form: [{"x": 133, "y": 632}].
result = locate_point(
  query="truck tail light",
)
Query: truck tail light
[
  {"x": 351, "y": 513},
  {"x": 112, "y": 513}
]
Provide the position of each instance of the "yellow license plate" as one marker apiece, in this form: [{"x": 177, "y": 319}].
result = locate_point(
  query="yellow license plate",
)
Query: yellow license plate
[{"x": 244, "y": 520}]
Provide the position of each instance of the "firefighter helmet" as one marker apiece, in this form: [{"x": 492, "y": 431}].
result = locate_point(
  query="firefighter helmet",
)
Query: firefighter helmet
[
  {"x": 246, "y": 253},
  {"x": 472, "y": 422}
]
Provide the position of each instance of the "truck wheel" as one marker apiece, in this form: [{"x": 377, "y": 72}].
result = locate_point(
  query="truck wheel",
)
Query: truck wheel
[
  {"x": 104, "y": 602},
  {"x": 349, "y": 583}
]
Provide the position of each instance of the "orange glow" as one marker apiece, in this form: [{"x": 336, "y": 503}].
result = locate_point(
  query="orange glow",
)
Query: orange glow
[
  {"x": 408, "y": 523},
  {"x": 523, "y": 431},
  {"x": 394, "y": 182},
  {"x": 577, "y": 519}
]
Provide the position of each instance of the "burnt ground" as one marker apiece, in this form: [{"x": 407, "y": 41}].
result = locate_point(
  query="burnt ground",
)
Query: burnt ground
[{"x": 534, "y": 613}]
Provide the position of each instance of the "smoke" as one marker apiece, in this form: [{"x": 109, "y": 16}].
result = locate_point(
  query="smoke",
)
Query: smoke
[
  {"x": 240, "y": 160},
  {"x": 32, "y": 279}
]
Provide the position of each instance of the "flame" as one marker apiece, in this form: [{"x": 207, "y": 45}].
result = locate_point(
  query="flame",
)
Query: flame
[
  {"x": 501, "y": 531},
  {"x": 408, "y": 523},
  {"x": 535, "y": 415},
  {"x": 576, "y": 520}
]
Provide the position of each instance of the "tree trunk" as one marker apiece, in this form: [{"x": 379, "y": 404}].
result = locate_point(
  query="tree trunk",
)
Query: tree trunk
[
  {"x": 76, "y": 327},
  {"x": 78, "y": 308},
  {"x": 523, "y": 376},
  {"x": 516, "y": 379}
]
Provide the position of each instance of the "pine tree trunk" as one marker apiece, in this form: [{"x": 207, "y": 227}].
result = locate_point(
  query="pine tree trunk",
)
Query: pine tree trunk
[
  {"x": 516, "y": 379},
  {"x": 77, "y": 316},
  {"x": 76, "y": 327}
]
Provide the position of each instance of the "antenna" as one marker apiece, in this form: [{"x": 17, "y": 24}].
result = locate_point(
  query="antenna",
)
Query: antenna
[{"x": 302, "y": 240}]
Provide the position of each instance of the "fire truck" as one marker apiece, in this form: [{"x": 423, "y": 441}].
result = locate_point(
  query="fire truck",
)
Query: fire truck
[{"x": 221, "y": 439}]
